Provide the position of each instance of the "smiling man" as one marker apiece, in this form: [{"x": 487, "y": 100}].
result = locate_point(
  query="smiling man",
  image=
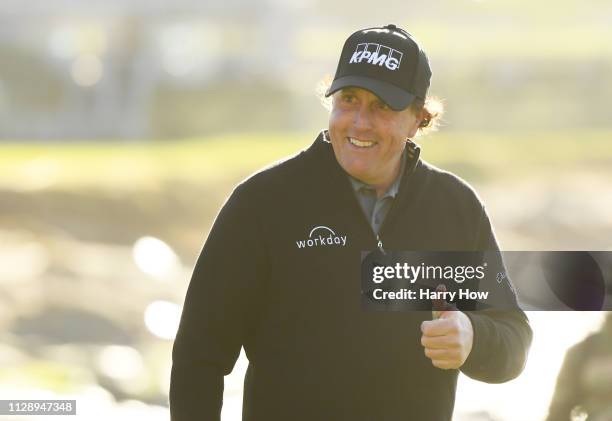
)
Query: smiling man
[{"x": 273, "y": 278}]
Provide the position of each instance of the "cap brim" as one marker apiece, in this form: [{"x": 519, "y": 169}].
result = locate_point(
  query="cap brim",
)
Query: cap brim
[{"x": 394, "y": 97}]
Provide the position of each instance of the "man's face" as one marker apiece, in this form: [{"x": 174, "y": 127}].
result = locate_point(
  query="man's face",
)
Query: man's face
[{"x": 367, "y": 136}]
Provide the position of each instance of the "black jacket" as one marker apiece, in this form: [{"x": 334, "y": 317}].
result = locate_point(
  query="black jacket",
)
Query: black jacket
[{"x": 314, "y": 353}]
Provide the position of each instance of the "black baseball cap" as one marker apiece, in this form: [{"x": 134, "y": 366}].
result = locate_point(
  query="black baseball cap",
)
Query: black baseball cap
[{"x": 387, "y": 61}]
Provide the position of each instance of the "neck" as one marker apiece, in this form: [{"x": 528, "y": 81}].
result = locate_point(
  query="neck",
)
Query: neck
[
  {"x": 381, "y": 189},
  {"x": 383, "y": 185}
]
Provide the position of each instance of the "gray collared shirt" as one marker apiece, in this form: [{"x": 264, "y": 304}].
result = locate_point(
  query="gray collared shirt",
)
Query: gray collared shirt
[{"x": 376, "y": 209}]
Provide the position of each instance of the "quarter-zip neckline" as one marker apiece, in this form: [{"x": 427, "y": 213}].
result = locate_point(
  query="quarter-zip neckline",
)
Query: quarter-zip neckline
[{"x": 406, "y": 176}]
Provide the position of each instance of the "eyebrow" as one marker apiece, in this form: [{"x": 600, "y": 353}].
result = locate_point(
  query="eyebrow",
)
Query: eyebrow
[{"x": 351, "y": 89}]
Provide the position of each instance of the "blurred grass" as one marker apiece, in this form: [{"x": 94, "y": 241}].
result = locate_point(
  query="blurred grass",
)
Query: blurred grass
[
  {"x": 45, "y": 375},
  {"x": 149, "y": 165}
]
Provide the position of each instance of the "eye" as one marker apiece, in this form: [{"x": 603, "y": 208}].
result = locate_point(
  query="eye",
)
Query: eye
[
  {"x": 382, "y": 106},
  {"x": 347, "y": 97}
]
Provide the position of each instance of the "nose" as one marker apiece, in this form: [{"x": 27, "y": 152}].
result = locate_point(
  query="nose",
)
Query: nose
[{"x": 362, "y": 118}]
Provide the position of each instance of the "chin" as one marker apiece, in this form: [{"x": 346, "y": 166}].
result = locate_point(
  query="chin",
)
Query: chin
[
  {"x": 358, "y": 173},
  {"x": 354, "y": 166}
]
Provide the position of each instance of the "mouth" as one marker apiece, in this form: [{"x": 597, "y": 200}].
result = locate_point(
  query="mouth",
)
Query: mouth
[{"x": 364, "y": 144}]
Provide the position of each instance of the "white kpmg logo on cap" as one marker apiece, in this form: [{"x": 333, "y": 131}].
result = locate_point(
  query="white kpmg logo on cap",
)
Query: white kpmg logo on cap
[{"x": 377, "y": 54}]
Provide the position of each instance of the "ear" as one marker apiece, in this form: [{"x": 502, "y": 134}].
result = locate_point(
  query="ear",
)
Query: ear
[{"x": 416, "y": 124}]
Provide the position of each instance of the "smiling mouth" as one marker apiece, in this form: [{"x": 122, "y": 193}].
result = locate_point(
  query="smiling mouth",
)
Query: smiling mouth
[{"x": 361, "y": 143}]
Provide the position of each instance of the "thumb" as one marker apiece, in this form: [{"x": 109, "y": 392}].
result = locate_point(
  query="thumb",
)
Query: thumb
[{"x": 439, "y": 306}]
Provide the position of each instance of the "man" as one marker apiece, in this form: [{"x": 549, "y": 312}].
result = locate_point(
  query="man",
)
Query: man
[
  {"x": 584, "y": 385},
  {"x": 280, "y": 274}
]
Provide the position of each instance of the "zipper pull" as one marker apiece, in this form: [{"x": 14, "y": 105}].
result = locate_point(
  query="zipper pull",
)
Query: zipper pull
[{"x": 380, "y": 244}]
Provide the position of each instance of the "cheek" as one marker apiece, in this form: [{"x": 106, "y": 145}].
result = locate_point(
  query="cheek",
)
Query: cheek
[
  {"x": 396, "y": 141},
  {"x": 395, "y": 148},
  {"x": 337, "y": 119}
]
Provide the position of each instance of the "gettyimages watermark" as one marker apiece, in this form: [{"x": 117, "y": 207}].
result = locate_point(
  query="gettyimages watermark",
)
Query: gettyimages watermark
[{"x": 529, "y": 280}]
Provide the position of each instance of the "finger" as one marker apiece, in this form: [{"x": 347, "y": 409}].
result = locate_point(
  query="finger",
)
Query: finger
[
  {"x": 438, "y": 305},
  {"x": 444, "y": 365},
  {"x": 440, "y": 354},
  {"x": 438, "y": 327},
  {"x": 449, "y": 311},
  {"x": 439, "y": 342},
  {"x": 451, "y": 314}
]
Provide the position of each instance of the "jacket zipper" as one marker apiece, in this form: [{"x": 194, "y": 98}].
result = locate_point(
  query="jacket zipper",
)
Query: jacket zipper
[
  {"x": 410, "y": 170},
  {"x": 364, "y": 218},
  {"x": 380, "y": 244}
]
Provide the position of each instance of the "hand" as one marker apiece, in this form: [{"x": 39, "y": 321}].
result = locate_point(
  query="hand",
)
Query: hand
[{"x": 448, "y": 340}]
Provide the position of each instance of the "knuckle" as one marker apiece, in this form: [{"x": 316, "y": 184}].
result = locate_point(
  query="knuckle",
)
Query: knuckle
[
  {"x": 442, "y": 365},
  {"x": 455, "y": 327}
]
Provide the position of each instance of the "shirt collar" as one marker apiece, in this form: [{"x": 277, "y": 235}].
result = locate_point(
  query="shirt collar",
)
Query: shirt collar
[{"x": 359, "y": 185}]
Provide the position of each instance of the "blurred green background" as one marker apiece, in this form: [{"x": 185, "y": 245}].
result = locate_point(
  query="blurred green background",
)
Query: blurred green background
[{"x": 125, "y": 125}]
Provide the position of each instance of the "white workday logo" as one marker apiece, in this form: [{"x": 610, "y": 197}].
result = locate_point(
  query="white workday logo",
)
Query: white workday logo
[
  {"x": 377, "y": 54},
  {"x": 322, "y": 236}
]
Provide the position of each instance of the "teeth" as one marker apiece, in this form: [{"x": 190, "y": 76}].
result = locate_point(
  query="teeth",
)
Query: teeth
[{"x": 361, "y": 144}]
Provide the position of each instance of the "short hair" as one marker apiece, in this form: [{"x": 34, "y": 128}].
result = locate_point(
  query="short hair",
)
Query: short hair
[{"x": 432, "y": 106}]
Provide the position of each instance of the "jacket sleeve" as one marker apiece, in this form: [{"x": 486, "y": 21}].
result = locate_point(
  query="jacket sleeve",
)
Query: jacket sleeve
[
  {"x": 219, "y": 312},
  {"x": 502, "y": 337}
]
